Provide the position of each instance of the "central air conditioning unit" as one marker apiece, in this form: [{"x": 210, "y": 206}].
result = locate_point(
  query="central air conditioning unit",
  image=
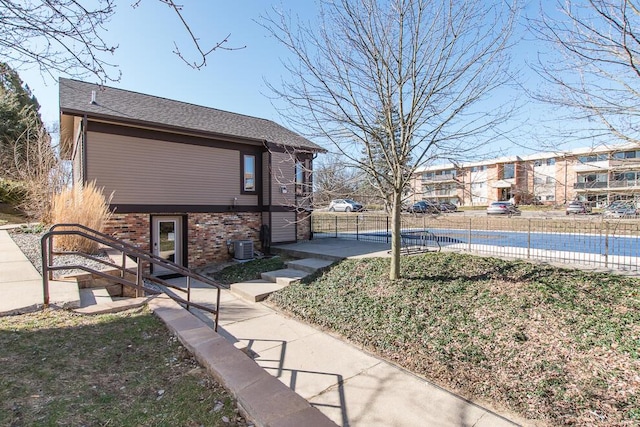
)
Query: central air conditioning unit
[{"x": 243, "y": 249}]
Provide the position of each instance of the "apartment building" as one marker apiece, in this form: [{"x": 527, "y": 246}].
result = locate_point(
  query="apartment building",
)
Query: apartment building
[{"x": 598, "y": 175}]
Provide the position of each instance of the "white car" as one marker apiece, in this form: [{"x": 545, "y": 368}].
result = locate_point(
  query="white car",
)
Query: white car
[
  {"x": 345, "y": 205},
  {"x": 502, "y": 208}
]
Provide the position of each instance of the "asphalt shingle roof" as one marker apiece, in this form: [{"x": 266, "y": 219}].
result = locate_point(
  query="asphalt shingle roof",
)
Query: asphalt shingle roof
[{"x": 75, "y": 97}]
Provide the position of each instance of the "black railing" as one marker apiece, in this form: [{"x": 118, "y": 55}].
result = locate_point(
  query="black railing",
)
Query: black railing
[
  {"x": 128, "y": 251},
  {"x": 587, "y": 185},
  {"x": 589, "y": 240}
]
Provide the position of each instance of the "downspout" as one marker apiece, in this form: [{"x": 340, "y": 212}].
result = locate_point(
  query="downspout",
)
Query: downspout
[
  {"x": 295, "y": 193},
  {"x": 84, "y": 149},
  {"x": 270, "y": 194},
  {"x": 313, "y": 202},
  {"x": 315, "y": 155}
]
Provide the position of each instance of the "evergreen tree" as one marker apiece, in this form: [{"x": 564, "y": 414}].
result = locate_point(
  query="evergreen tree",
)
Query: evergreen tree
[{"x": 20, "y": 121}]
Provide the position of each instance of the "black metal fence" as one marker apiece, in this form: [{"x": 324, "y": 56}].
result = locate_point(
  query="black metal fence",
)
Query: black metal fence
[{"x": 591, "y": 241}]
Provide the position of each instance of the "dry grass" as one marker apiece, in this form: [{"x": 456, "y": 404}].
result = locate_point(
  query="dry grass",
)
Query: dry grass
[
  {"x": 35, "y": 170},
  {"x": 80, "y": 205}
]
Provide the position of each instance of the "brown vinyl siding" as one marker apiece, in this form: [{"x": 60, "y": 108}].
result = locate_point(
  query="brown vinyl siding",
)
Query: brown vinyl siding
[
  {"x": 77, "y": 161},
  {"x": 283, "y": 227},
  {"x": 282, "y": 174},
  {"x": 143, "y": 171}
]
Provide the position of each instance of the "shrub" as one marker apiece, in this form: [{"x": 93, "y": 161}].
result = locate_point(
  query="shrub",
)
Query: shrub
[
  {"x": 82, "y": 205},
  {"x": 12, "y": 192},
  {"x": 36, "y": 170}
]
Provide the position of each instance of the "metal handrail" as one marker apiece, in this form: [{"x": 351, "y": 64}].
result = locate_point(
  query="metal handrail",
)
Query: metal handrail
[{"x": 127, "y": 250}]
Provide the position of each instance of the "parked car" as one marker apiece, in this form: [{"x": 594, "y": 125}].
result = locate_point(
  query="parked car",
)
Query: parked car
[
  {"x": 447, "y": 207},
  {"x": 345, "y": 205},
  {"x": 577, "y": 207},
  {"x": 502, "y": 208},
  {"x": 423, "y": 207},
  {"x": 619, "y": 209}
]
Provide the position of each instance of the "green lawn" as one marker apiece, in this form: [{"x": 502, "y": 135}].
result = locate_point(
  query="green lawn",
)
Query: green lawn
[
  {"x": 555, "y": 345},
  {"x": 248, "y": 270},
  {"x": 59, "y": 368}
]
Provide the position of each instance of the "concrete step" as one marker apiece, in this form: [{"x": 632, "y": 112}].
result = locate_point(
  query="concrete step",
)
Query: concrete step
[
  {"x": 114, "y": 306},
  {"x": 310, "y": 265},
  {"x": 93, "y": 296},
  {"x": 284, "y": 277},
  {"x": 255, "y": 290},
  {"x": 64, "y": 293}
]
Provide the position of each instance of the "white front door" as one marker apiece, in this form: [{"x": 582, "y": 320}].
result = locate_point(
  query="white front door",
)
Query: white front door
[{"x": 167, "y": 240}]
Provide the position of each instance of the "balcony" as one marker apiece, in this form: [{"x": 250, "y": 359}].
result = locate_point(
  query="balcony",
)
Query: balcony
[
  {"x": 439, "y": 178},
  {"x": 601, "y": 166},
  {"x": 590, "y": 185},
  {"x": 440, "y": 193},
  {"x": 622, "y": 184},
  {"x": 625, "y": 184}
]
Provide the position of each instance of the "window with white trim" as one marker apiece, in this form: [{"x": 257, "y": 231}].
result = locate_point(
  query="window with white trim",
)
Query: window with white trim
[{"x": 248, "y": 173}]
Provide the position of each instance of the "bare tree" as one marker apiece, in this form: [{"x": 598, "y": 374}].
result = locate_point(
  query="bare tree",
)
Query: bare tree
[
  {"x": 594, "y": 66},
  {"x": 68, "y": 36},
  {"x": 38, "y": 168},
  {"x": 332, "y": 179},
  {"x": 416, "y": 71}
]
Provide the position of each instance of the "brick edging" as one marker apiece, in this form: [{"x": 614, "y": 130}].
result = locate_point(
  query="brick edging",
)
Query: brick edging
[{"x": 261, "y": 397}]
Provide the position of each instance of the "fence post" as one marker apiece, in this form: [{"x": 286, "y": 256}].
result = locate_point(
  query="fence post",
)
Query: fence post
[
  {"x": 139, "y": 279},
  {"x": 357, "y": 227},
  {"x": 387, "y": 234},
  {"x": 336, "y": 229},
  {"x": 124, "y": 264},
  {"x": 529, "y": 239},
  {"x": 469, "y": 237},
  {"x": 189, "y": 291},
  {"x": 606, "y": 245},
  {"x": 50, "y": 254},
  {"x": 44, "y": 242}
]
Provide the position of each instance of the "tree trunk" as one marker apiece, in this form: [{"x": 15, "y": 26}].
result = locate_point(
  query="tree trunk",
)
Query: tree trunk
[{"x": 394, "y": 272}]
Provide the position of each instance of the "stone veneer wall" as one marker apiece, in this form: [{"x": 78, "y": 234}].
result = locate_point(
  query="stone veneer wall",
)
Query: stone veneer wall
[
  {"x": 209, "y": 232},
  {"x": 206, "y": 236},
  {"x": 303, "y": 220},
  {"x": 133, "y": 228}
]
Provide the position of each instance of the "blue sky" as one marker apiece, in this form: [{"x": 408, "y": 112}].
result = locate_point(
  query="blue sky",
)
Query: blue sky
[{"x": 232, "y": 80}]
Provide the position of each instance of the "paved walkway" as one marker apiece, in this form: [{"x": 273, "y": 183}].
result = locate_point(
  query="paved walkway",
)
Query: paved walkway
[
  {"x": 21, "y": 284},
  {"x": 348, "y": 385}
]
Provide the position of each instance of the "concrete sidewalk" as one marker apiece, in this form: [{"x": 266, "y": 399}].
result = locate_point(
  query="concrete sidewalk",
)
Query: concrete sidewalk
[
  {"x": 21, "y": 284},
  {"x": 348, "y": 385}
]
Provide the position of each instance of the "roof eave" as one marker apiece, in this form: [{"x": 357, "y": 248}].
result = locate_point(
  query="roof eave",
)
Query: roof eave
[{"x": 160, "y": 126}]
